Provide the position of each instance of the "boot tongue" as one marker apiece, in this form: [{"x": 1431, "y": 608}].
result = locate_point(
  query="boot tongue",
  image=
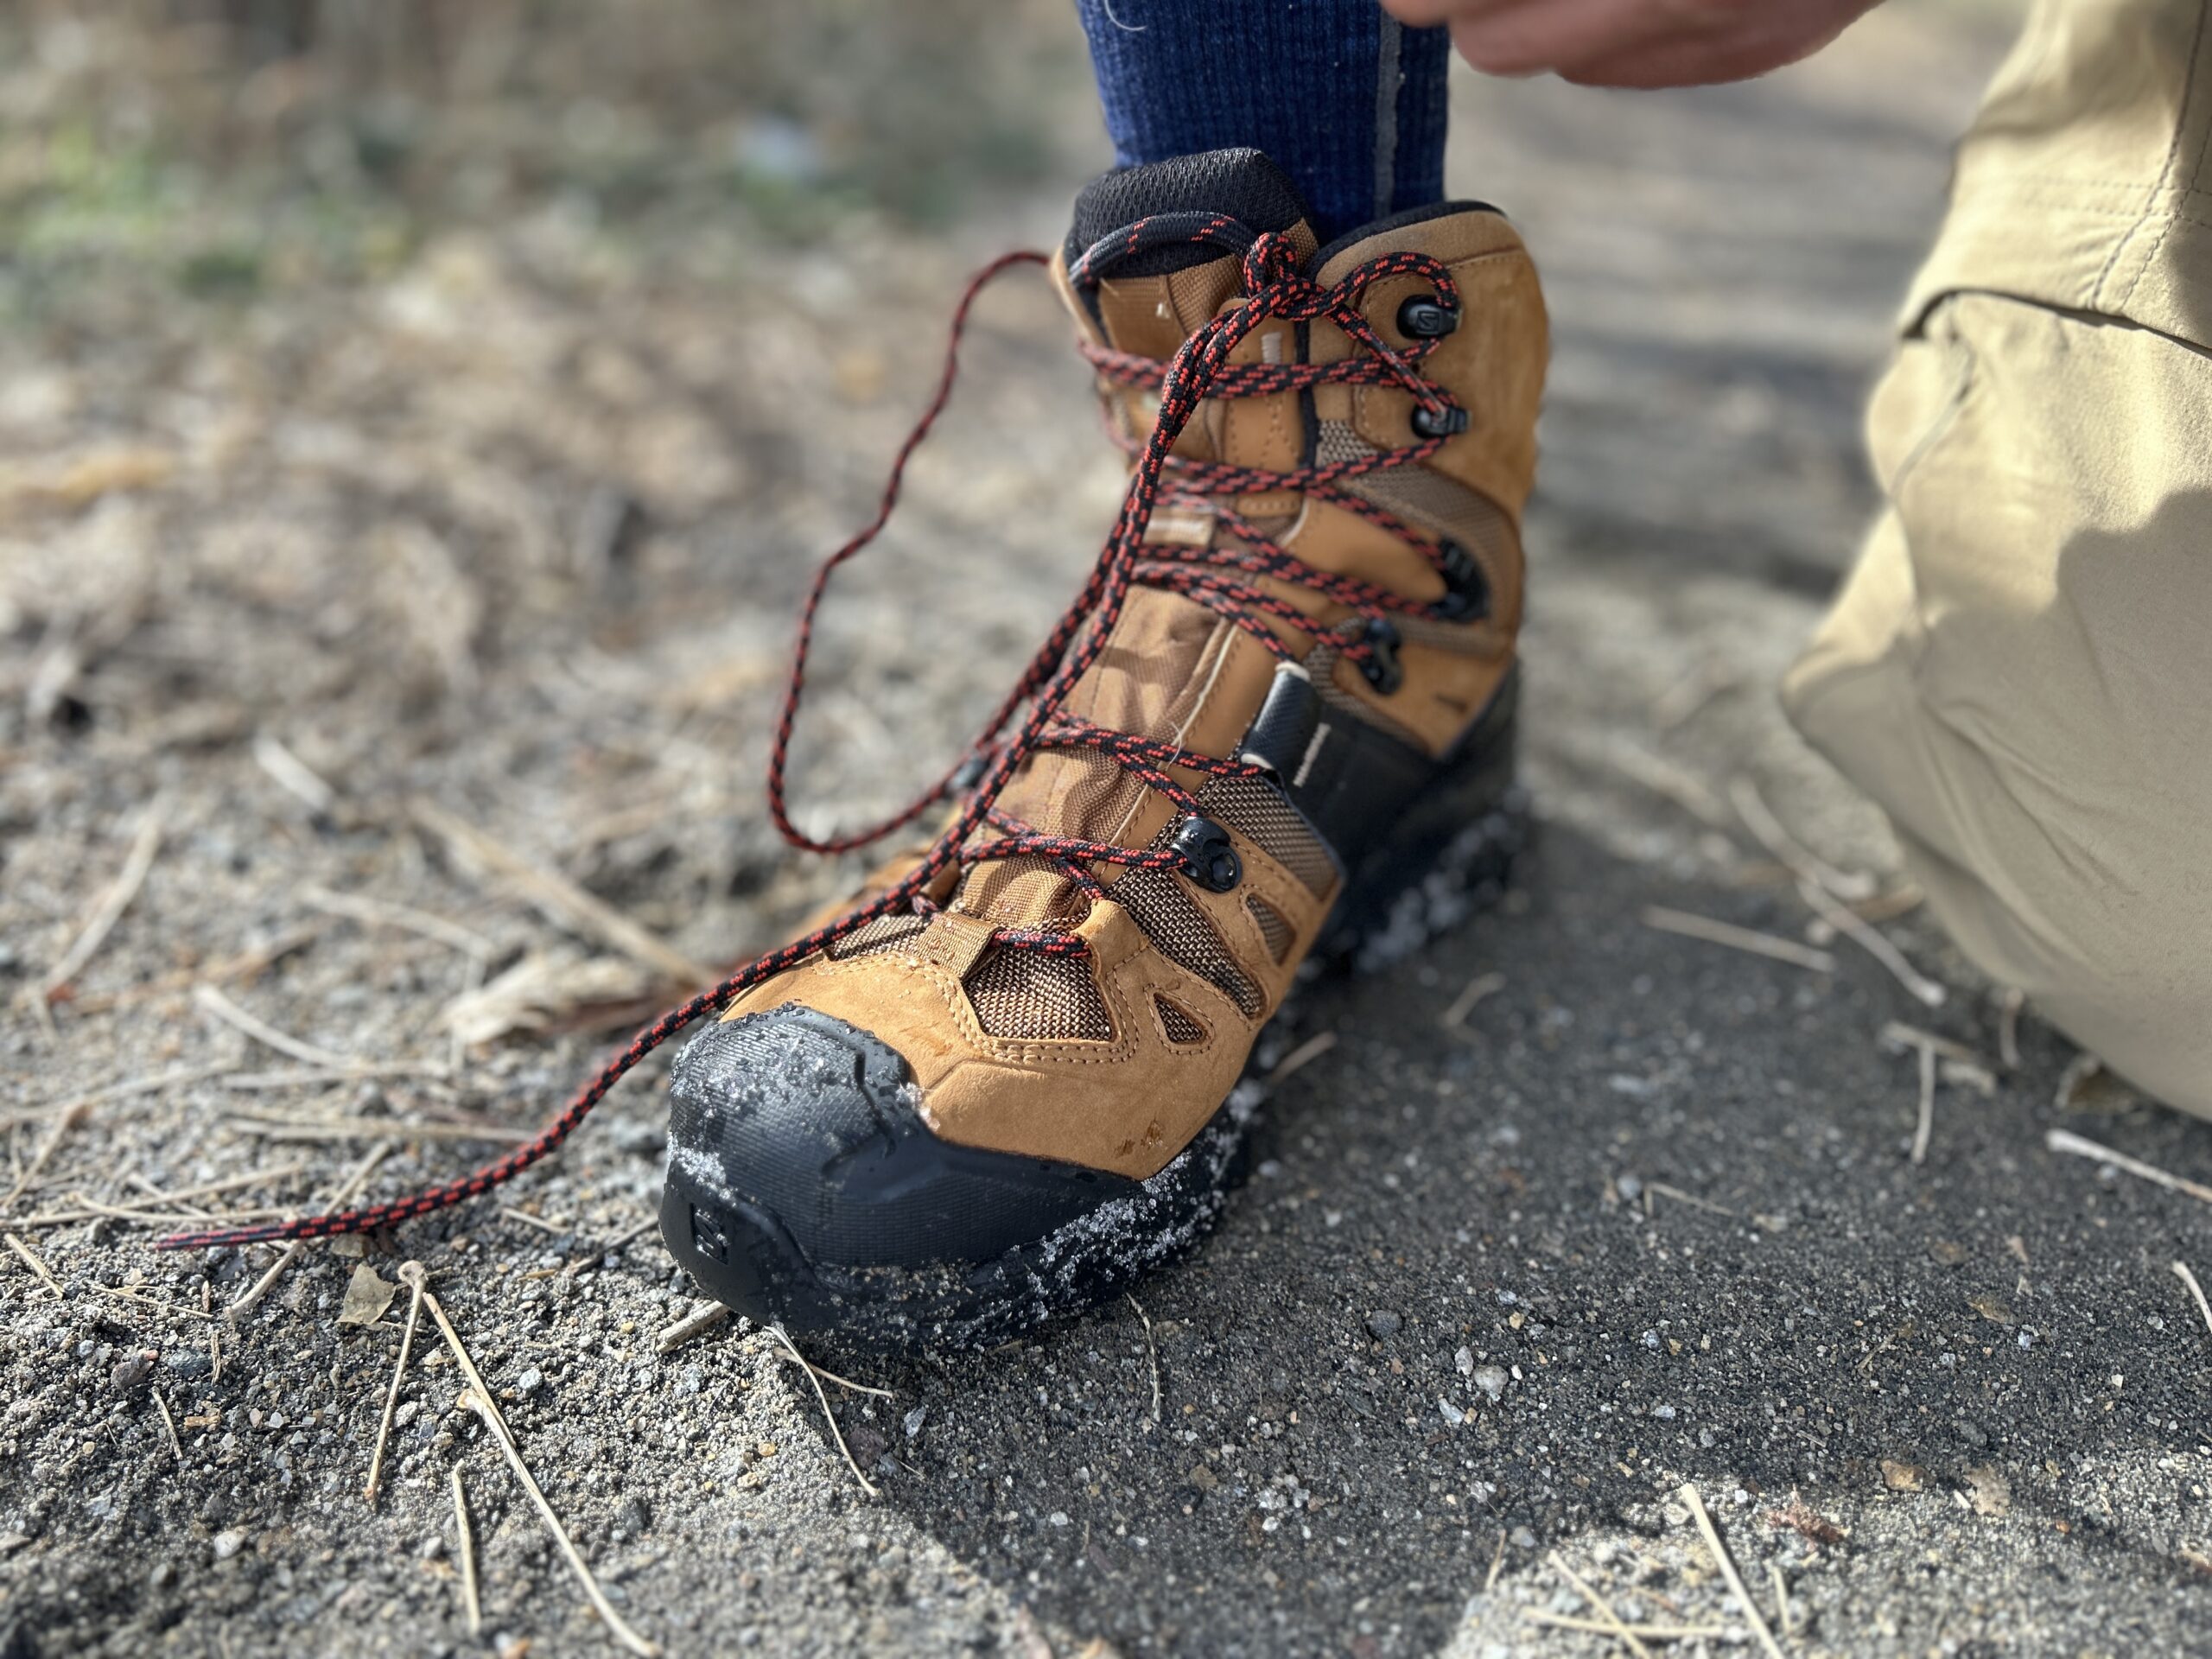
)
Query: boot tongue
[{"x": 1240, "y": 184}]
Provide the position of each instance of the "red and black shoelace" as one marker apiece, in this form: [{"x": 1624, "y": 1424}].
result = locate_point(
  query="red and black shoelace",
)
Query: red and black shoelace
[{"x": 1223, "y": 579}]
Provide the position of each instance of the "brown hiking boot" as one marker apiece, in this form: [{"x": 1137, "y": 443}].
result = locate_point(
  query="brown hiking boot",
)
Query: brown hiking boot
[{"x": 1278, "y": 724}]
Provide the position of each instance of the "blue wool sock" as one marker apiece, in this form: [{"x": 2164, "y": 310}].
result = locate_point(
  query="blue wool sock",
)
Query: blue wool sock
[{"x": 1342, "y": 97}]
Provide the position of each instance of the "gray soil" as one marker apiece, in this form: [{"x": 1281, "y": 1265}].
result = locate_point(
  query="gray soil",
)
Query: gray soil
[{"x": 509, "y": 536}]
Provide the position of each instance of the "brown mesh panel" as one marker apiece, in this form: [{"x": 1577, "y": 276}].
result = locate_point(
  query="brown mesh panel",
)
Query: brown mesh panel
[
  {"x": 1156, "y": 901},
  {"x": 881, "y": 934},
  {"x": 1256, "y": 811},
  {"x": 1274, "y": 927},
  {"x": 1031, "y": 997},
  {"x": 1445, "y": 504},
  {"x": 1336, "y": 442},
  {"x": 1178, "y": 1023}
]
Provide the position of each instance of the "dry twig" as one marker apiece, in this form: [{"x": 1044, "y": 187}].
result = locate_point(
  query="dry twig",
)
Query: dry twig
[
  {"x": 169, "y": 1423},
  {"x": 1736, "y": 938},
  {"x": 2067, "y": 1140},
  {"x": 1152, "y": 1353},
  {"x": 1841, "y": 917},
  {"x": 1653, "y": 1633},
  {"x": 207, "y": 997},
  {"x": 123, "y": 1294},
  {"x": 471, "y": 1604},
  {"x": 1926, "y": 1125},
  {"x": 124, "y": 1090},
  {"x": 244, "y": 966},
  {"x": 1662, "y": 1189},
  {"x": 705, "y": 1317},
  {"x": 2196, "y": 1290},
  {"x": 228, "y": 1183},
  {"x": 1850, "y": 885},
  {"x": 379, "y": 912},
  {"x": 117, "y": 900},
  {"x": 30, "y": 1259},
  {"x": 1301, "y": 1057},
  {"x": 1583, "y": 1588},
  {"x": 561, "y": 900},
  {"x": 1668, "y": 781},
  {"x": 828, "y": 1376},
  {"x": 412, "y": 1275},
  {"x": 616, "y": 1627},
  {"x": 467, "y": 1365},
  {"x": 292, "y": 774},
  {"x": 1898, "y": 1035},
  {"x": 314, "y": 1131},
  {"x": 2008, "y": 1027},
  {"x": 67, "y": 1122},
  {"x": 1480, "y": 987},
  {"x": 1695, "y": 1504},
  {"x": 828, "y": 1416}
]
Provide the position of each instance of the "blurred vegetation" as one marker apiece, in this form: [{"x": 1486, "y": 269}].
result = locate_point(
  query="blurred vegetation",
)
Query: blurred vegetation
[{"x": 224, "y": 146}]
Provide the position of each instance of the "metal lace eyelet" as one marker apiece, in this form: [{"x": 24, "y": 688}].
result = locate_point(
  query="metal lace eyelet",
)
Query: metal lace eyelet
[
  {"x": 1466, "y": 594},
  {"x": 1208, "y": 856},
  {"x": 1448, "y": 423},
  {"x": 1427, "y": 317},
  {"x": 1381, "y": 665},
  {"x": 967, "y": 775}
]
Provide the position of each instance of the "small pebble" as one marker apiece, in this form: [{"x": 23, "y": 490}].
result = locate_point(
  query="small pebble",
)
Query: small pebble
[
  {"x": 1383, "y": 1326},
  {"x": 130, "y": 1374},
  {"x": 228, "y": 1543}
]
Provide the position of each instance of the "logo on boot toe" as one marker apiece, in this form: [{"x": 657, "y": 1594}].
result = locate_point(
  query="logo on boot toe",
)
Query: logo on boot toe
[{"x": 708, "y": 1236}]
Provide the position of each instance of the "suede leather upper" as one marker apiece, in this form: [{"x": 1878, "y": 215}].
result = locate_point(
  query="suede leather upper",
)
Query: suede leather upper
[{"x": 1174, "y": 671}]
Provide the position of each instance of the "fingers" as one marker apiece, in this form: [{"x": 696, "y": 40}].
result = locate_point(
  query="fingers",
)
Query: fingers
[
  {"x": 1658, "y": 65},
  {"x": 1528, "y": 37},
  {"x": 1424, "y": 14}
]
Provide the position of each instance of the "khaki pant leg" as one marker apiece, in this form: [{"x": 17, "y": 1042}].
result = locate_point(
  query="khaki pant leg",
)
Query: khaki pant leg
[{"x": 2019, "y": 670}]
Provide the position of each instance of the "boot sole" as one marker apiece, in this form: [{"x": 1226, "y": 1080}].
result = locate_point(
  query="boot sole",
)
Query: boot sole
[{"x": 1446, "y": 859}]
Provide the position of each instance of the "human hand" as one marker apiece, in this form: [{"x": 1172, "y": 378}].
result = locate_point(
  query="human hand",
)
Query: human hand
[{"x": 1645, "y": 43}]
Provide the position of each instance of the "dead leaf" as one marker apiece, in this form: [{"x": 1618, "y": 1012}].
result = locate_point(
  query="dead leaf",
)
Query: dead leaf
[
  {"x": 1989, "y": 1493},
  {"x": 1802, "y": 1518},
  {"x": 1903, "y": 1476},
  {"x": 77, "y": 480},
  {"x": 543, "y": 988},
  {"x": 366, "y": 1297}
]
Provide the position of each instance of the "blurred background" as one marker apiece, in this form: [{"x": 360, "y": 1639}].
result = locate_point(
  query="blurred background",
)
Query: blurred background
[
  {"x": 462, "y": 347},
  {"x": 418, "y": 420}
]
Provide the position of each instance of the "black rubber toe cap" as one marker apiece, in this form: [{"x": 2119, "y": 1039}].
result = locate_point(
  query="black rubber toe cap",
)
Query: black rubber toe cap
[{"x": 796, "y": 1151}]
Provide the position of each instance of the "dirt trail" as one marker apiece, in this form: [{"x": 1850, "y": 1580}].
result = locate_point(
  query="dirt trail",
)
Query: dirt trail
[{"x": 333, "y": 612}]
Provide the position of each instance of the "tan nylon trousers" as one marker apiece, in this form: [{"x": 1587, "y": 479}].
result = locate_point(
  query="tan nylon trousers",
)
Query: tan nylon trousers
[{"x": 2019, "y": 670}]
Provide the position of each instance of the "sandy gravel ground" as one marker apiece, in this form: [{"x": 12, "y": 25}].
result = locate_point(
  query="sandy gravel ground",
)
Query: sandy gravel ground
[{"x": 371, "y": 641}]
